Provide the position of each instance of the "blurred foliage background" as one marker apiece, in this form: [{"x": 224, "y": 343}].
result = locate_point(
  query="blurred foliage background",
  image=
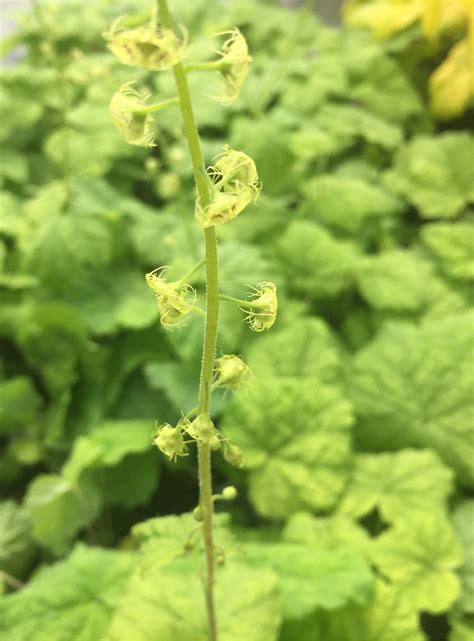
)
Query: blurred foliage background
[{"x": 357, "y": 426}]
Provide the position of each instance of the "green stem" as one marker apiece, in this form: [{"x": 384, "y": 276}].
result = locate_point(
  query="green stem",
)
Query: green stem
[
  {"x": 210, "y": 331},
  {"x": 192, "y": 271},
  {"x": 216, "y": 65},
  {"x": 149, "y": 109},
  {"x": 242, "y": 303}
]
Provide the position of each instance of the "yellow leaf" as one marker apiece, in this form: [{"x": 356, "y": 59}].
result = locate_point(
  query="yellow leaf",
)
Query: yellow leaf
[
  {"x": 384, "y": 17},
  {"x": 430, "y": 19},
  {"x": 452, "y": 83},
  {"x": 453, "y": 13}
]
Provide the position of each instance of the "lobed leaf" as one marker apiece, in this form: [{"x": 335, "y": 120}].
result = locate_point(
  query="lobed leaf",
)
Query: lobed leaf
[
  {"x": 296, "y": 438},
  {"x": 420, "y": 556},
  {"x": 436, "y": 174},
  {"x": 400, "y": 485},
  {"x": 412, "y": 386},
  {"x": 72, "y": 599}
]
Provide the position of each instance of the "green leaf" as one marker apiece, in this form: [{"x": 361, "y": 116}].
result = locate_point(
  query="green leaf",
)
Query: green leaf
[
  {"x": 462, "y": 629},
  {"x": 17, "y": 549},
  {"x": 314, "y": 262},
  {"x": 119, "y": 460},
  {"x": 11, "y": 219},
  {"x": 78, "y": 144},
  {"x": 131, "y": 482},
  {"x": 134, "y": 349},
  {"x": 158, "y": 236},
  {"x": 73, "y": 599},
  {"x": 296, "y": 439},
  {"x": 395, "y": 280},
  {"x": 268, "y": 145},
  {"x": 390, "y": 617},
  {"x": 398, "y": 485},
  {"x": 330, "y": 532},
  {"x": 13, "y": 165},
  {"x": 304, "y": 348},
  {"x": 324, "y": 77},
  {"x": 436, "y": 174},
  {"x": 107, "y": 444},
  {"x": 312, "y": 577},
  {"x": 412, "y": 386},
  {"x": 19, "y": 403},
  {"x": 463, "y": 518},
  {"x": 63, "y": 248},
  {"x": 115, "y": 299},
  {"x": 376, "y": 81},
  {"x": 242, "y": 266},
  {"x": 336, "y": 128},
  {"x": 178, "y": 380},
  {"x": 420, "y": 555},
  {"x": 346, "y": 203},
  {"x": 166, "y": 602},
  {"x": 57, "y": 510},
  {"x": 164, "y": 538},
  {"x": 53, "y": 340},
  {"x": 452, "y": 244}
]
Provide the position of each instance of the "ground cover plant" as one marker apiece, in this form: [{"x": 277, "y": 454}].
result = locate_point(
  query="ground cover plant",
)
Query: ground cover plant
[{"x": 351, "y": 516}]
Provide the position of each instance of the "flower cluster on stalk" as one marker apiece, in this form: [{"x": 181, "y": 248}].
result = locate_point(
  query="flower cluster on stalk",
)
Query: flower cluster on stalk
[{"x": 233, "y": 185}]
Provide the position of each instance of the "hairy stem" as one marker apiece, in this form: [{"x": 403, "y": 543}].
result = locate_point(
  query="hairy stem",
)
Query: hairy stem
[
  {"x": 216, "y": 65},
  {"x": 210, "y": 331},
  {"x": 249, "y": 304},
  {"x": 149, "y": 109}
]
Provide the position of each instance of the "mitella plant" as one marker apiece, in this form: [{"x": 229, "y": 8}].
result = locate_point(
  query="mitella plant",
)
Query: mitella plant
[{"x": 224, "y": 191}]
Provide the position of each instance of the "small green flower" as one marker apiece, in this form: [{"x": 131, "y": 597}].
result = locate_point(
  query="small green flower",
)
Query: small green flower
[
  {"x": 223, "y": 208},
  {"x": 263, "y": 310},
  {"x": 203, "y": 430},
  {"x": 235, "y": 67},
  {"x": 126, "y": 108},
  {"x": 170, "y": 441},
  {"x": 236, "y": 185},
  {"x": 233, "y": 454},
  {"x": 231, "y": 371},
  {"x": 147, "y": 46},
  {"x": 233, "y": 170},
  {"x": 175, "y": 300}
]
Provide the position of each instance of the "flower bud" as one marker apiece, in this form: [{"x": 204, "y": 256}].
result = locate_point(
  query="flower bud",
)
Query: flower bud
[
  {"x": 175, "y": 300},
  {"x": 235, "y": 67},
  {"x": 203, "y": 430},
  {"x": 126, "y": 110},
  {"x": 146, "y": 46},
  {"x": 198, "y": 514},
  {"x": 229, "y": 493},
  {"x": 170, "y": 441},
  {"x": 236, "y": 186},
  {"x": 223, "y": 208},
  {"x": 264, "y": 307},
  {"x": 232, "y": 371},
  {"x": 233, "y": 454},
  {"x": 234, "y": 168}
]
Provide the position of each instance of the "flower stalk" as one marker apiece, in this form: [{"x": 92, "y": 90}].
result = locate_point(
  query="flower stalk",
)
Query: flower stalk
[
  {"x": 210, "y": 331},
  {"x": 224, "y": 190}
]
